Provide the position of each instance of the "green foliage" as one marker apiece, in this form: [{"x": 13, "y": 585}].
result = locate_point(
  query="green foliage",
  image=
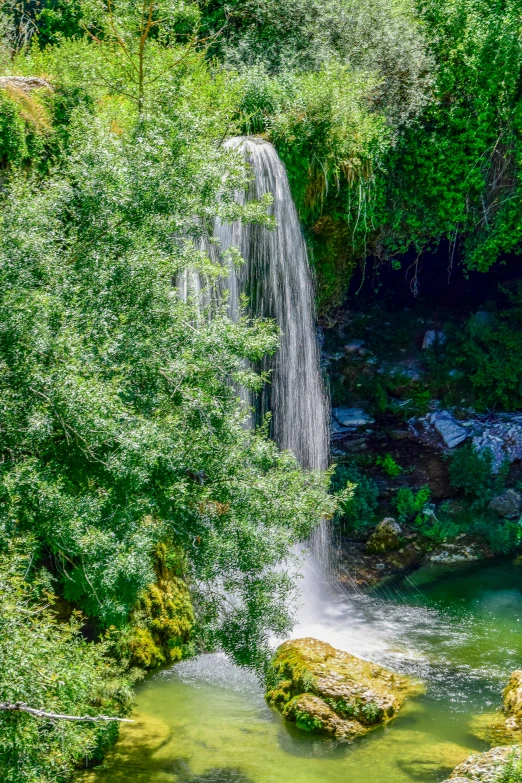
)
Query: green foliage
[
  {"x": 389, "y": 466},
  {"x": 13, "y": 143},
  {"x": 330, "y": 83},
  {"x": 470, "y": 472},
  {"x": 465, "y": 148},
  {"x": 49, "y": 665},
  {"x": 357, "y": 511},
  {"x": 121, "y": 428},
  {"x": 307, "y": 722},
  {"x": 162, "y": 621},
  {"x": 35, "y": 127},
  {"x": 503, "y": 536},
  {"x": 511, "y": 772},
  {"x": 410, "y": 505},
  {"x": 371, "y": 712},
  {"x": 380, "y": 38},
  {"x": 322, "y": 69},
  {"x": 487, "y": 354},
  {"x": 58, "y": 19}
]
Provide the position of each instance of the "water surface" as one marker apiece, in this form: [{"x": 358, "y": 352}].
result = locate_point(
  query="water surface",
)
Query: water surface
[{"x": 456, "y": 628}]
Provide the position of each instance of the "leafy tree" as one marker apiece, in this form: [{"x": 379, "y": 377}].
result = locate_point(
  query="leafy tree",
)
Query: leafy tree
[{"x": 121, "y": 427}]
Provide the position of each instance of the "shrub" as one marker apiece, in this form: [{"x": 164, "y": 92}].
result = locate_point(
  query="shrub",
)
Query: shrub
[
  {"x": 470, "y": 472},
  {"x": 389, "y": 466},
  {"x": 410, "y": 505},
  {"x": 512, "y": 771},
  {"x": 356, "y": 512},
  {"x": 487, "y": 353},
  {"x": 49, "y": 665}
]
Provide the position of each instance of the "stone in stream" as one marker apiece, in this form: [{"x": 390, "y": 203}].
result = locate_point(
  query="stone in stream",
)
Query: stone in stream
[
  {"x": 451, "y": 433},
  {"x": 352, "y": 417},
  {"x": 508, "y": 504},
  {"x": 329, "y": 691},
  {"x": 385, "y": 538}
]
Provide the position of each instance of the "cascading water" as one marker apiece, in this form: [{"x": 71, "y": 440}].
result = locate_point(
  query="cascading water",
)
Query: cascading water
[{"x": 278, "y": 283}]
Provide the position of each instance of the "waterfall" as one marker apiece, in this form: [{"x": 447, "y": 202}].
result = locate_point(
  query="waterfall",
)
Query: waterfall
[{"x": 278, "y": 282}]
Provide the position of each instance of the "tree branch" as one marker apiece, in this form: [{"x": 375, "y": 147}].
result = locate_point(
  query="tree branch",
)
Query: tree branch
[{"x": 19, "y": 706}]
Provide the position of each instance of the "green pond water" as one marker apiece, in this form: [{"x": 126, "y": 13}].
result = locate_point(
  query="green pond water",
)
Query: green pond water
[{"x": 458, "y": 628}]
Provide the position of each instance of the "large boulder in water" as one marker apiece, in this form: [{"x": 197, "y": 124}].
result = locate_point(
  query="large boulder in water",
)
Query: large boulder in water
[{"x": 332, "y": 692}]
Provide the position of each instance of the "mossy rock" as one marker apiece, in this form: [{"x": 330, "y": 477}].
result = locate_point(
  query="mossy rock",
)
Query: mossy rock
[
  {"x": 513, "y": 701},
  {"x": 332, "y": 692},
  {"x": 486, "y": 767},
  {"x": 385, "y": 538}
]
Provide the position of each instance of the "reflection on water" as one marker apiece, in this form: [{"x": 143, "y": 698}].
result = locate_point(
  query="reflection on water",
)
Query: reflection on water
[{"x": 458, "y": 628}]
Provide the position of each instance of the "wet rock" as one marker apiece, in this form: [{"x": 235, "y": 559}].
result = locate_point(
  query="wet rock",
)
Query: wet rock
[
  {"x": 334, "y": 356},
  {"x": 508, "y": 504},
  {"x": 504, "y": 441},
  {"x": 352, "y": 417},
  {"x": 311, "y": 713},
  {"x": 513, "y": 701},
  {"x": 458, "y": 553},
  {"x": 451, "y": 433},
  {"x": 485, "y": 767},
  {"x": 332, "y": 692},
  {"x": 400, "y": 434},
  {"x": 406, "y": 558},
  {"x": 355, "y": 446},
  {"x": 385, "y": 538},
  {"x": 432, "y": 338},
  {"x": 414, "y": 372},
  {"x": 355, "y": 346}
]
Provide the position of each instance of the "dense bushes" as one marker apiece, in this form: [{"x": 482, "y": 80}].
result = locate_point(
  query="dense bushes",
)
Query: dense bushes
[
  {"x": 366, "y": 101},
  {"x": 49, "y": 665},
  {"x": 485, "y": 351},
  {"x": 356, "y": 510}
]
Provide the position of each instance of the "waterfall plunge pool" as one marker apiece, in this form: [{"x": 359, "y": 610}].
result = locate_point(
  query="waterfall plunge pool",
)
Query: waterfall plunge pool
[{"x": 458, "y": 628}]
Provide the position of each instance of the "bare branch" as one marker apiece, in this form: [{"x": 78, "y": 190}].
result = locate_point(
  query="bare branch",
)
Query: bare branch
[{"x": 20, "y": 706}]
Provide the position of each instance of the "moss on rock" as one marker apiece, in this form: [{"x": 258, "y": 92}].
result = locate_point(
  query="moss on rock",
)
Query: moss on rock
[
  {"x": 513, "y": 701},
  {"x": 163, "y": 619},
  {"x": 330, "y": 691}
]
